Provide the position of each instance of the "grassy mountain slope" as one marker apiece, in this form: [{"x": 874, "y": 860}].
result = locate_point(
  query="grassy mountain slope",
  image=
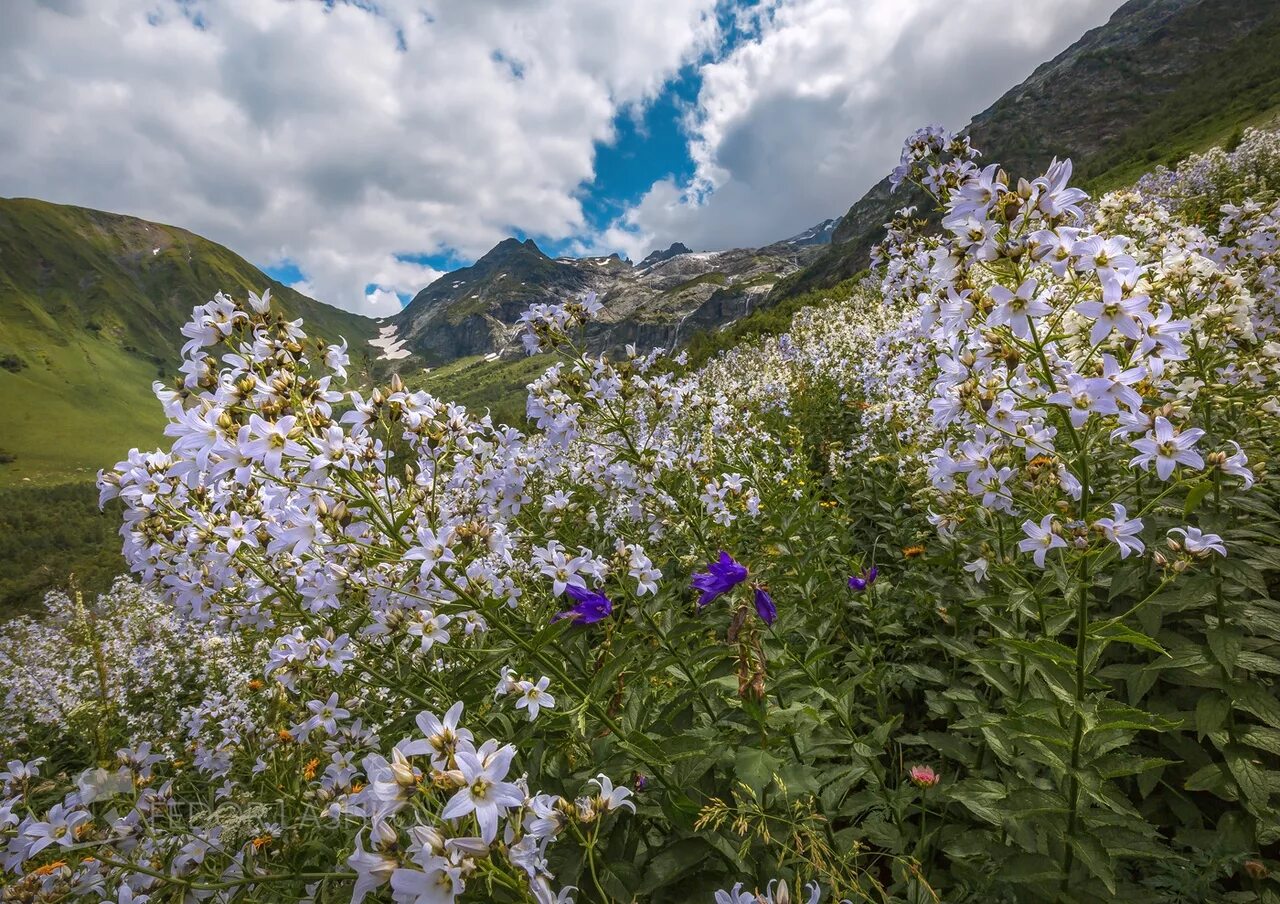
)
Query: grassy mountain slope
[
  {"x": 1161, "y": 79},
  {"x": 481, "y": 384},
  {"x": 91, "y": 305}
]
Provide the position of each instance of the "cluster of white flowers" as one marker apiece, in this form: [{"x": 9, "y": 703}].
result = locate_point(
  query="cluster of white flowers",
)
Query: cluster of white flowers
[
  {"x": 508, "y": 821},
  {"x": 431, "y": 829},
  {"x": 1242, "y": 173},
  {"x": 1037, "y": 334},
  {"x": 122, "y": 661},
  {"x": 1060, "y": 342},
  {"x": 544, "y": 326}
]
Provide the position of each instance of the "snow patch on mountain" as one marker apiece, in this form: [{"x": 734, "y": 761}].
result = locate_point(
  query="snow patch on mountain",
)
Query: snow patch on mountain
[{"x": 390, "y": 346}]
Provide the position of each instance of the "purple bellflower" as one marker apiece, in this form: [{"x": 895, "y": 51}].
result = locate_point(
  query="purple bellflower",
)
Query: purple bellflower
[
  {"x": 723, "y": 575},
  {"x": 764, "y": 606},
  {"x": 720, "y": 577},
  {"x": 861, "y": 582},
  {"x": 592, "y": 606}
]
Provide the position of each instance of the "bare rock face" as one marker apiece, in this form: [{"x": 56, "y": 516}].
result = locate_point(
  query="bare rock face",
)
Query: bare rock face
[
  {"x": 661, "y": 302},
  {"x": 657, "y": 256}
]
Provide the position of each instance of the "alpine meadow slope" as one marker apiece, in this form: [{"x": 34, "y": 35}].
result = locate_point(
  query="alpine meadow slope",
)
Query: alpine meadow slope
[{"x": 91, "y": 308}]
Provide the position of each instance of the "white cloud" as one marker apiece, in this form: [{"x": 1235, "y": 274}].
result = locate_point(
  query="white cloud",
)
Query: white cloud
[
  {"x": 292, "y": 131},
  {"x": 797, "y": 121}
]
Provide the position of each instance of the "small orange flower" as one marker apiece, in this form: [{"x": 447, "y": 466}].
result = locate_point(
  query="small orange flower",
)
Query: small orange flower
[
  {"x": 50, "y": 868},
  {"x": 255, "y": 684},
  {"x": 261, "y": 841},
  {"x": 285, "y": 736},
  {"x": 309, "y": 770},
  {"x": 912, "y": 551},
  {"x": 1256, "y": 869},
  {"x": 357, "y": 787}
]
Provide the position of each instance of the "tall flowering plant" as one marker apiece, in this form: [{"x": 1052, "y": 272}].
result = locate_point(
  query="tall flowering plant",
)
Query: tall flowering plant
[
  {"x": 961, "y": 589},
  {"x": 1097, "y": 380}
]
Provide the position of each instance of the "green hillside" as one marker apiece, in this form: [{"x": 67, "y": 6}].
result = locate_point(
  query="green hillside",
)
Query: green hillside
[
  {"x": 91, "y": 305},
  {"x": 479, "y": 384},
  {"x": 1218, "y": 99}
]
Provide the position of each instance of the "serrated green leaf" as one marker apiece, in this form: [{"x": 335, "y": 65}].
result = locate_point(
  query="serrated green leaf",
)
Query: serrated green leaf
[
  {"x": 1024, "y": 868},
  {"x": 755, "y": 767},
  {"x": 1212, "y": 710},
  {"x": 1224, "y": 644},
  {"x": 1093, "y": 854},
  {"x": 1249, "y": 776},
  {"x": 674, "y": 862},
  {"x": 1261, "y": 737}
]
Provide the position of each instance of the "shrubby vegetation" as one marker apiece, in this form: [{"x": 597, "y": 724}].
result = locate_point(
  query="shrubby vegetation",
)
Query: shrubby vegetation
[
  {"x": 48, "y": 533},
  {"x": 963, "y": 589}
]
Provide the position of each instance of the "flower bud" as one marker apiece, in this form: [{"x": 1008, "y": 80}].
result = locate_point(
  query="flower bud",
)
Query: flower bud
[
  {"x": 472, "y": 847},
  {"x": 923, "y": 776},
  {"x": 401, "y": 770},
  {"x": 428, "y": 838}
]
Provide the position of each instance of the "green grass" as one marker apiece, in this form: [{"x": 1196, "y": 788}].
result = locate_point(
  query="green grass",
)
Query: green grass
[
  {"x": 480, "y": 385},
  {"x": 91, "y": 308},
  {"x": 770, "y": 321},
  {"x": 48, "y": 534},
  {"x": 74, "y": 408}
]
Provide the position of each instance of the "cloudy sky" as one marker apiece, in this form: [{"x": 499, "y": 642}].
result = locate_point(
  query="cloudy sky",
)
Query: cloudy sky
[{"x": 358, "y": 149}]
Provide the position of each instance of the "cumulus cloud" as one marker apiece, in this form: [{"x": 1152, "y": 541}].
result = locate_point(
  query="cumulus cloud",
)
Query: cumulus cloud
[
  {"x": 795, "y": 122},
  {"x": 345, "y": 137}
]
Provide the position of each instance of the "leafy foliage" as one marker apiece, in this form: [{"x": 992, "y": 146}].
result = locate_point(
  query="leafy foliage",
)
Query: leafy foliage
[{"x": 50, "y": 535}]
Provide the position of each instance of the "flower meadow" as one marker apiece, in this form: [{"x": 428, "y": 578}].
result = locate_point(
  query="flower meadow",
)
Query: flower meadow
[{"x": 963, "y": 589}]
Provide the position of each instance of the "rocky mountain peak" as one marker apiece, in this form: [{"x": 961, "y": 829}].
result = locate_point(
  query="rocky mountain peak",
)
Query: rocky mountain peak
[{"x": 657, "y": 256}]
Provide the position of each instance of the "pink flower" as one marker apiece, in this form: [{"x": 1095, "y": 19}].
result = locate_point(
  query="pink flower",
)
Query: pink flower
[{"x": 924, "y": 776}]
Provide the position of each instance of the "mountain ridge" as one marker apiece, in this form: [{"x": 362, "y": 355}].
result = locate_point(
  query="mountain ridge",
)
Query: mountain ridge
[
  {"x": 1109, "y": 100},
  {"x": 473, "y": 310}
]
